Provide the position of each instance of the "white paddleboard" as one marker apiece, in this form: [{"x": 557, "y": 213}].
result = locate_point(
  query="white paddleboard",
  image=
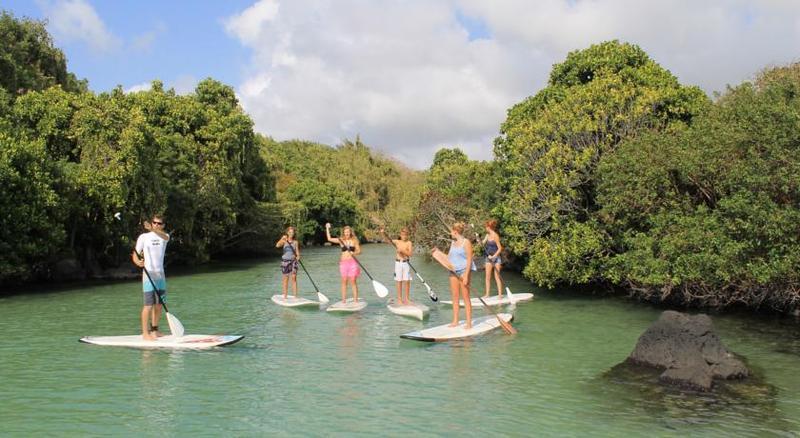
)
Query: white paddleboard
[
  {"x": 444, "y": 333},
  {"x": 195, "y": 342},
  {"x": 494, "y": 300},
  {"x": 413, "y": 310},
  {"x": 292, "y": 301},
  {"x": 349, "y": 306}
]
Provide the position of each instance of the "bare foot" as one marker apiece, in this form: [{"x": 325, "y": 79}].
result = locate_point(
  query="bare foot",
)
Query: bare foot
[
  {"x": 157, "y": 334},
  {"x": 468, "y": 326},
  {"x": 486, "y": 295},
  {"x": 148, "y": 337},
  {"x": 453, "y": 324},
  {"x": 284, "y": 296}
]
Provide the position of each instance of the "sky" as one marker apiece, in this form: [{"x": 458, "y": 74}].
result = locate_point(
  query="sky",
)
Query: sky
[{"x": 407, "y": 76}]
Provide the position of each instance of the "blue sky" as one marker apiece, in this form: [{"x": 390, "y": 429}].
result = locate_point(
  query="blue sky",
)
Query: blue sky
[
  {"x": 187, "y": 41},
  {"x": 407, "y": 76}
]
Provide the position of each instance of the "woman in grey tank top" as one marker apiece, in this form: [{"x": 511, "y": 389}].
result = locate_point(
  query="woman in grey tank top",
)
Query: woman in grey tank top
[{"x": 289, "y": 258}]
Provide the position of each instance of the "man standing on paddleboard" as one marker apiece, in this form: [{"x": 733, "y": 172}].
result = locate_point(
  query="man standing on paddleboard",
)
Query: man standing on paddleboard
[{"x": 149, "y": 255}]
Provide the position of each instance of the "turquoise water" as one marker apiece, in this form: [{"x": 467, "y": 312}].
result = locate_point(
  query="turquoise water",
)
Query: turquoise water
[{"x": 313, "y": 373}]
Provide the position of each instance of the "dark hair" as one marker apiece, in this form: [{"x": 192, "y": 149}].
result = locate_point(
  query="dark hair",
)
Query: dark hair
[{"x": 492, "y": 224}]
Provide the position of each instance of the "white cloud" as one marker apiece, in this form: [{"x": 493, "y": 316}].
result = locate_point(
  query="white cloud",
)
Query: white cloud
[
  {"x": 145, "y": 41},
  {"x": 76, "y": 20},
  {"x": 182, "y": 85},
  {"x": 144, "y": 86},
  {"x": 407, "y": 76}
]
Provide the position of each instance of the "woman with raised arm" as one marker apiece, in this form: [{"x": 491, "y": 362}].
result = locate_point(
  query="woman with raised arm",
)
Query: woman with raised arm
[
  {"x": 492, "y": 249},
  {"x": 460, "y": 257},
  {"x": 289, "y": 259},
  {"x": 348, "y": 266}
]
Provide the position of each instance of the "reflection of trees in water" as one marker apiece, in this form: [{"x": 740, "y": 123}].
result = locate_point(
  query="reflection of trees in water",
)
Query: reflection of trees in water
[{"x": 630, "y": 391}]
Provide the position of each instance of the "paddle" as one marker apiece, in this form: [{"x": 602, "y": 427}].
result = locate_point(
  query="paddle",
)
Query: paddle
[
  {"x": 442, "y": 259},
  {"x": 175, "y": 326},
  {"x": 322, "y": 298},
  {"x": 511, "y": 299},
  {"x": 431, "y": 293},
  {"x": 379, "y": 288}
]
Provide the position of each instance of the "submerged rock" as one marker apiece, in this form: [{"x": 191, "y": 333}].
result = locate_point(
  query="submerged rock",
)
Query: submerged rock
[{"x": 688, "y": 350}]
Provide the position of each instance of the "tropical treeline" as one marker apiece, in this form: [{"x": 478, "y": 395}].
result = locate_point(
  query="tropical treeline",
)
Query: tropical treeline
[
  {"x": 617, "y": 174},
  {"x": 80, "y": 171}
]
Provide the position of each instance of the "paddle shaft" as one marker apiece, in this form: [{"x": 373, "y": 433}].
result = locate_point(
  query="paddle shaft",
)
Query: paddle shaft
[
  {"x": 354, "y": 258},
  {"x": 431, "y": 294},
  {"x": 506, "y": 326},
  {"x": 155, "y": 290}
]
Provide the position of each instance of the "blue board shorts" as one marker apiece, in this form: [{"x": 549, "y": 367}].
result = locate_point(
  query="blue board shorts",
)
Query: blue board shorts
[
  {"x": 150, "y": 293},
  {"x": 497, "y": 261}
]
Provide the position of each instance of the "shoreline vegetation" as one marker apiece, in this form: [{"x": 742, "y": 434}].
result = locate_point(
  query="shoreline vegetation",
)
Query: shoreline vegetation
[{"x": 614, "y": 174}]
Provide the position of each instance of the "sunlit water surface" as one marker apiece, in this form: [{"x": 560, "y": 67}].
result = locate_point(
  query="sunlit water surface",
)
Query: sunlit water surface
[{"x": 314, "y": 373}]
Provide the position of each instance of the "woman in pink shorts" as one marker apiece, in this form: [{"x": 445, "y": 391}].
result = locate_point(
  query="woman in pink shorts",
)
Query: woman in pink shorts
[{"x": 348, "y": 266}]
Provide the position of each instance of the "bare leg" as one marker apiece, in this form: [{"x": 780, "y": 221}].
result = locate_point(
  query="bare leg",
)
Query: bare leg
[
  {"x": 147, "y": 311},
  {"x": 294, "y": 284},
  {"x": 498, "y": 280},
  {"x": 408, "y": 292},
  {"x": 454, "y": 293},
  {"x": 467, "y": 304},
  {"x": 156, "y": 318},
  {"x": 285, "y": 286},
  {"x": 488, "y": 270},
  {"x": 355, "y": 287},
  {"x": 399, "y": 291},
  {"x": 344, "y": 289}
]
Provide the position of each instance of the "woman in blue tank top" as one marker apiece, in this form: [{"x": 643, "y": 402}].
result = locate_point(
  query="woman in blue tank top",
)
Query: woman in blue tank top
[
  {"x": 289, "y": 258},
  {"x": 460, "y": 256},
  {"x": 492, "y": 249}
]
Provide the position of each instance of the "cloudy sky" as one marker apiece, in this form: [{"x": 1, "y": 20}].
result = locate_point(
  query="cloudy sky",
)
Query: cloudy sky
[{"x": 408, "y": 76}]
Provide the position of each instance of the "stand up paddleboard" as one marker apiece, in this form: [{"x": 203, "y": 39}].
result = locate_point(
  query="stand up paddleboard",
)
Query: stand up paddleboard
[
  {"x": 413, "y": 310},
  {"x": 349, "y": 306},
  {"x": 495, "y": 300},
  {"x": 444, "y": 333},
  {"x": 291, "y": 301},
  {"x": 193, "y": 342}
]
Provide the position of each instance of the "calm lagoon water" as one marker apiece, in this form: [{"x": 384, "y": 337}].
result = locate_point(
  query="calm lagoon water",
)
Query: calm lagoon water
[{"x": 313, "y": 373}]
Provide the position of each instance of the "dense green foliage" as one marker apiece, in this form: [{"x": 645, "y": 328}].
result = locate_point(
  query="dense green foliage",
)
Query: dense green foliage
[
  {"x": 348, "y": 184},
  {"x": 193, "y": 158},
  {"x": 615, "y": 173},
  {"x": 456, "y": 189},
  {"x": 709, "y": 215},
  {"x": 552, "y": 144},
  {"x": 28, "y": 59}
]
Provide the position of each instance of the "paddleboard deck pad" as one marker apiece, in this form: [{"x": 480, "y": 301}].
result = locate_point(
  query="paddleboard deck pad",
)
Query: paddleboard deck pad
[
  {"x": 292, "y": 301},
  {"x": 413, "y": 310},
  {"x": 349, "y": 306},
  {"x": 443, "y": 333},
  {"x": 495, "y": 300},
  {"x": 194, "y": 342}
]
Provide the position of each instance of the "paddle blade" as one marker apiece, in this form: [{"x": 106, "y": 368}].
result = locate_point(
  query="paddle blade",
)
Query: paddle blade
[
  {"x": 506, "y": 326},
  {"x": 322, "y": 298},
  {"x": 442, "y": 259},
  {"x": 511, "y": 298},
  {"x": 380, "y": 289},
  {"x": 431, "y": 293},
  {"x": 175, "y": 326}
]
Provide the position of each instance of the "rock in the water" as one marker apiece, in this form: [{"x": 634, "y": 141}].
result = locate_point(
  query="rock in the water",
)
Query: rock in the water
[{"x": 689, "y": 351}]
